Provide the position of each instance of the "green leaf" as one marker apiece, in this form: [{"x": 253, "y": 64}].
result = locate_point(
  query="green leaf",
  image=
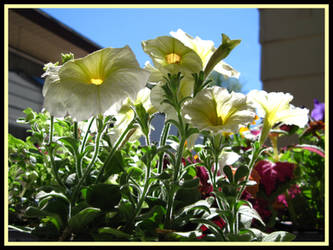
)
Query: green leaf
[
  {"x": 143, "y": 117},
  {"x": 41, "y": 195},
  {"x": 134, "y": 171},
  {"x": 211, "y": 225},
  {"x": 80, "y": 221},
  {"x": 185, "y": 236},
  {"x": 257, "y": 233},
  {"x": 250, "y": 212},
  {"x": 201, "y": 205},
  {"x": 115, "y": 165},
  {"x": 222, "y": 52},
  {"x": 115, "y": 232},
  {"x": 162, "y": 176},
  {"x": 34, "y": 212},
  {"x": 279, "y": 236},
  {"x": 239, "y": 237},
  {"x": 103, "y": 196},
  {"x": 57, "y": 208},
  {"x": 71, "y": 143},
  {"x": 242, "y": 171},
  {"x": 227, "y": 170},
  {"x": 30, "y": 114},
  {"x": 312, "y": 148},
  {"x": 190, "y": 183},
  {"x": 55, "y": 219},
  {"x": 15, "y": 142}
]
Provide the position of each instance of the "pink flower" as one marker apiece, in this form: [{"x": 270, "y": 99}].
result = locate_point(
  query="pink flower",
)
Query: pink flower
[
  {"x": 271, "y": 172},
  {"x": 292, "y": 192},
  {"x": 205, "y": 187}
]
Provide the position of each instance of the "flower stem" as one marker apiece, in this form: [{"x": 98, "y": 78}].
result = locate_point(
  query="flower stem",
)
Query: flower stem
[
  {"x": 114, "y": 149},
  {"x": 86, "y": 135},
  {"x": 76, "y": 136},
  {"x": 50, "y": 149},
  {"x": 88, "y": 169},
  {"x": 274, "y": 139},
  {"x": 142, "y": 198},
  {"x": 163, "y": 139},
  {"x": 254, "y": 157}
]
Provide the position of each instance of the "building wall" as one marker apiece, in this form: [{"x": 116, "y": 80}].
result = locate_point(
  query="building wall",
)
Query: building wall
[
  {"x": 292, "y": 53},
  {"x": 292, "y": 56},
  {"x": 23, "y": 91}
]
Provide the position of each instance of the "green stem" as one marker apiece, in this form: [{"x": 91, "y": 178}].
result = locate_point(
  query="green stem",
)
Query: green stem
[
  {"x": 78, "y": 165},
  {"x": 147, "y": 139},
  {"x": 142, "y": 198},
  {"x": 51, "y": 130},
  {"x": 274, "y": 139},
  {"x": 291, "y": 209},
  {"x": 163, "y": 139},
  {"x": 216, "y": 167},
  {"x": 169, "y": 212},
  {"x": 86, "y": 135},
  {"x": 177, "y": 168},
  {"x": 179, "y": 160},
  {"x": 50, "y": 149},
  {"x": 114, "y": 149},
  {"x": 88, "y": 169},
  {"x": 253, "y": 160},
  {"x": 76, "y": 136}
]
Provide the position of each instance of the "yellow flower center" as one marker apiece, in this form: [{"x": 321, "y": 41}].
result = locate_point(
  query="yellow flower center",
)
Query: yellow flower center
[
  {"x": 96, "y": 81},
  {"x": 173, "y": 58}
]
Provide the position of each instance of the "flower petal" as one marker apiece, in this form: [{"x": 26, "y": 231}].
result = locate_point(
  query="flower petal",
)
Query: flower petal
[
  {"x": 159, "y": 48},
  {"x": 93, "y": 84},
  {"x": 218, "y": 110}
]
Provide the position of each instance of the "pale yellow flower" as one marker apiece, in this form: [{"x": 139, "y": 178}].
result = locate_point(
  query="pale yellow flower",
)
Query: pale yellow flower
[
  {"x": 227, "y": 158},
  {"x": 205, "y": 49},
  {"x": 126, "y": 114},
  {"x": 89, "y": 86},
  {"x": 171, "y": 56},
  {"x": 216, "y": 110},
  {"x": 180, "y": 53},
  {"x": 275, "y": 107}
]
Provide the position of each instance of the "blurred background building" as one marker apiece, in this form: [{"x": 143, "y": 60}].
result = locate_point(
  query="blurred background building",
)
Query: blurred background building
[
  {"x": 292, "y": 56},
  {"x": 34, "y": 39},
  {"x": 292, "y": 52}
]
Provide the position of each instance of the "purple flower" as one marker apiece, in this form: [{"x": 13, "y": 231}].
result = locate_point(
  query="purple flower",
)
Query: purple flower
[{"x": 318, "y": 112}]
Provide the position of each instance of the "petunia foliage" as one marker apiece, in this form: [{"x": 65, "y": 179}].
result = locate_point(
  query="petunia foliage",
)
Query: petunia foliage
[{"x": 91, "y": 171}]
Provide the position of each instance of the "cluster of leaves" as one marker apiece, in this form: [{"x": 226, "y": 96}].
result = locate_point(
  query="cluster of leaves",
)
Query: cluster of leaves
[
  {"x": 128, "y": 203},
  {"x": 68, "y": 184},
  {"x": 299, "y": 196},
  {"x": 306, "y": 210}
]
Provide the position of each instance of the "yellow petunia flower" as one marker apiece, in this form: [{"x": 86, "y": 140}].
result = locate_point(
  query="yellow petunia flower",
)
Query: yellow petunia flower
[
  {"x": 275, "y": 107},
  {"x": 216, "y": 110},
  {"x": 91, "y": 85}
]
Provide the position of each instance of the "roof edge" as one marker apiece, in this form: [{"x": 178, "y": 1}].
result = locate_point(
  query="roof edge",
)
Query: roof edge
[{"x": 44, "y": 20}]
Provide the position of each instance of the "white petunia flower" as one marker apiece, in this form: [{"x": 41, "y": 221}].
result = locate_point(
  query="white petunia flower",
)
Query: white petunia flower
[
  {"x": 216, "y": 110},
  {"x": 89, "y": 86},
  {"x": 227, "y": 158},
  {"x": 205, "y": 49},
  {"x": 275, "y": 107},
  {"x": 126, "y": 115}
]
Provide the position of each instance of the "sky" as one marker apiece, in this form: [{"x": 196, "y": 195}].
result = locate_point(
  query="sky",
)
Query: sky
[{"x": 117, "y": 27}]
